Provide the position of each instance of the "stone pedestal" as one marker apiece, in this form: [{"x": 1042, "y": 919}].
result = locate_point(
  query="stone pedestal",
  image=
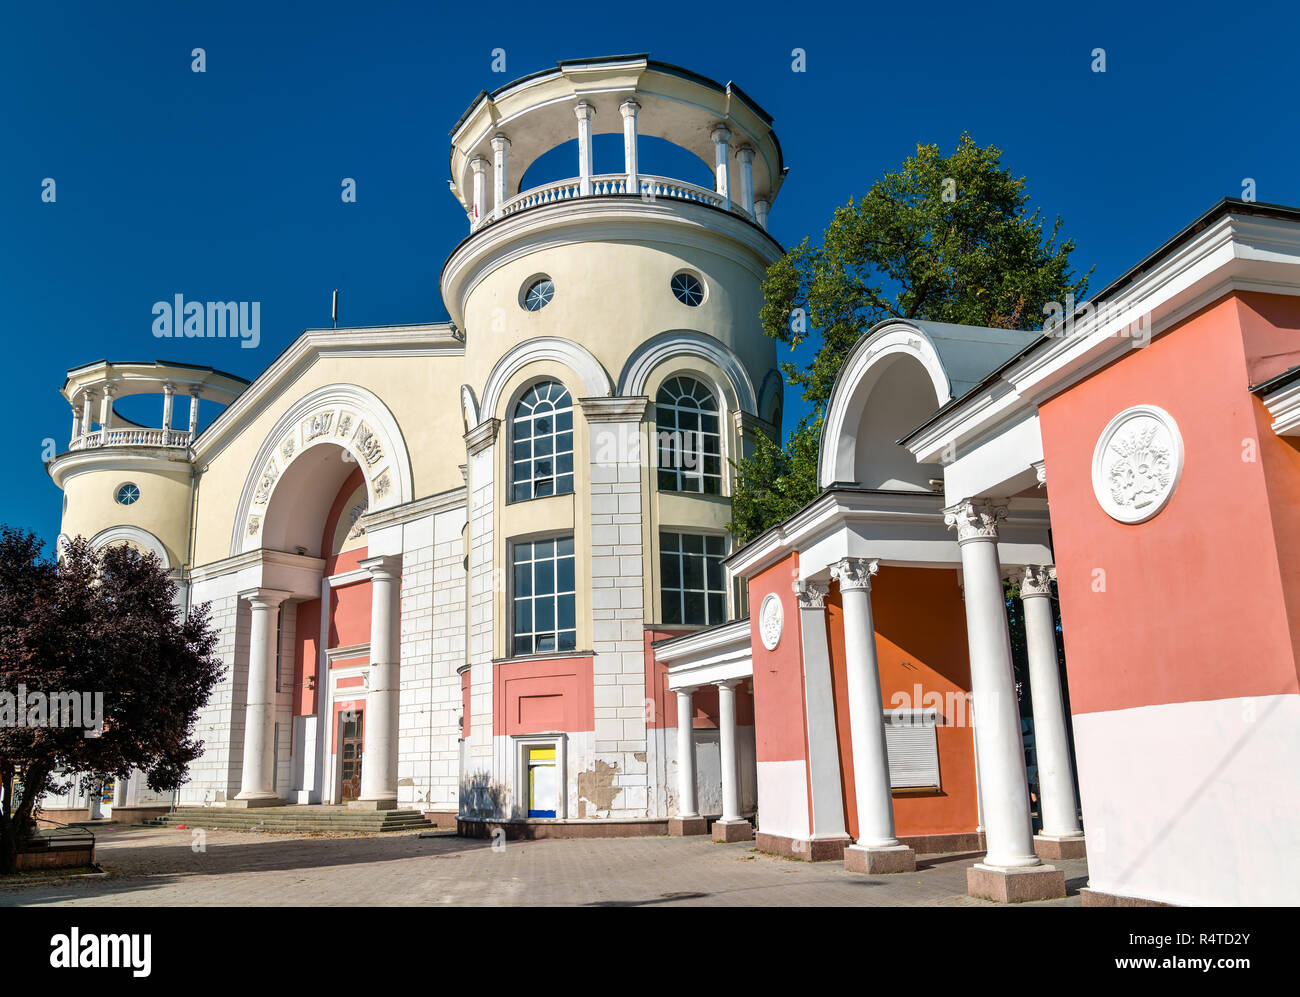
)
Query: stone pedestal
[
  {"x": 1051, "y": 847},
  {"x": 732, "y": 830},
  {"x": 1015, "y": 885},
  {"x": 372, "y": 804},
  {"x": 879, "y": 861},
  {"x": 246, "y": 803},
  {"x": 683, "y": 826}
]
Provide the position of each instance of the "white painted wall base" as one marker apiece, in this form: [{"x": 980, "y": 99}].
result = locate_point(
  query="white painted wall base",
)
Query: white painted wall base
[{"x": 1193, "y": 803}]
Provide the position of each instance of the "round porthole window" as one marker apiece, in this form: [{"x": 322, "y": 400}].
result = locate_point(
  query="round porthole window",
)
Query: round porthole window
[
  {"x": 539, "y": 294},
  {"x": 687, "y": 288},
  {"x": 128, "y": 494}
]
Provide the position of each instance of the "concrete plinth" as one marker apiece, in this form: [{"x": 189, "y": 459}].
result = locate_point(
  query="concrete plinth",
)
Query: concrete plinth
[
  {"x": 256, "y": 801},
  {"x": 1091, "y": 898},
  {"x": 879, "y": 861},
  {"x": 372, "y": 804},
  {"x": 1015, "y": 885},
  {"x": 732, "y": 830},
  {"x": 830, "y": 849},
  {"x": 682, "y": 826},
  {"x": 1051, "y": 848}
]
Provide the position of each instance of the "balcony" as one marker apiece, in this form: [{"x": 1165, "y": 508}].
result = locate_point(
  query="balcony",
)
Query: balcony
[{"x": 134, "y": 437}]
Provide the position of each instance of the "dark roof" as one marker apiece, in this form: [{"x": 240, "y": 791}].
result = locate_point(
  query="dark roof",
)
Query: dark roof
[
  {"x": 1285, "y": 379},
  {"x": 1228, "y": 205}
]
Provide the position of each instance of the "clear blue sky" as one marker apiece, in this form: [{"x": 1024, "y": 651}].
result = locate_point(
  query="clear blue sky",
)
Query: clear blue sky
[{"x": 225, "y": 185}]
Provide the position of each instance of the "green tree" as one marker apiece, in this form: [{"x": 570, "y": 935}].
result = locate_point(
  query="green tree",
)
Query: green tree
[{"x": 944, "y": 238}]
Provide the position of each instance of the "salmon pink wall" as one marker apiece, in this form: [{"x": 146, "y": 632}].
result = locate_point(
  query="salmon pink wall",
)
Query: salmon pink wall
[
  {"x": 920, "y": 640},
  {"x": 1189, "y": 605},
  {"x": 780, "y": 733},
  {"x": 1270, "y": 333},
  {"x": 306, "y": 657},
  {"x": 336, "y": 563},
  {"x": 543, "y": 695},
  {"x": 350, "y": 614}
]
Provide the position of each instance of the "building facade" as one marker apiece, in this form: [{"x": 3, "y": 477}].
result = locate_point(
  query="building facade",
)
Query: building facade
[{"x": 462, "y": 627}]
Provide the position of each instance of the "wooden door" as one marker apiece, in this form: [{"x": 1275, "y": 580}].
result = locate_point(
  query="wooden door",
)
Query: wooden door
[{"x": 350, "y": 750}]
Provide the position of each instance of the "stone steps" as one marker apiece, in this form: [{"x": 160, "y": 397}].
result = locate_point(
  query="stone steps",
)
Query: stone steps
[{"x": 334, "y": 819}]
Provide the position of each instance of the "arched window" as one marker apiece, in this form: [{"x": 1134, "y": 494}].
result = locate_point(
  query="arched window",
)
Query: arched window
[
  {"x": 690, "y": 441},
  {"x": 542, "y": 434}
]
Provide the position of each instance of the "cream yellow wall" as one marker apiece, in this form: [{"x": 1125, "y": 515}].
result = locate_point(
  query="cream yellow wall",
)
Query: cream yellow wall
[
  {"x": 423, "y": 394},
  {"x": 163, "y": 508},
  {"x": 611, "y": 297}
]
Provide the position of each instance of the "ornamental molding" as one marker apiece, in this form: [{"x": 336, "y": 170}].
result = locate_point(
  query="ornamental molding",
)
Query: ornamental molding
[
  {"x": 771, "y": 621},
  {"x": 343, "y": 415},
  {"x": 854, "y": 573},
  {"x": 126, "y": 534},
  {"x": 811, "y": 595},
  {"x": 482, "y": 436},
  {"x": 666, "y": 346},
  {"x": 617, "y": 409},
  {"x": 595, "y": 382},
  {"x": 1037, "y": 580},
  {"x": 1137, "y": 464},
  {"x": 976, "y": 519}
]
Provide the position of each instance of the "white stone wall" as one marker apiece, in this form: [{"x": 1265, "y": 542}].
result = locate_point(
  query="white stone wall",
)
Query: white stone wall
[
  {"x": 484, "y": 779},
  {"x": 618, "y": 612},
  {"x": 214, "y": 776}
]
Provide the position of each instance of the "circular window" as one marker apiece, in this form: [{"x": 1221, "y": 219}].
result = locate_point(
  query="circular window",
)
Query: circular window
[
  {"x": 128, "y": 494},
  {"x": 539, "y": 294},
  {"x": 687, "y": 289}
]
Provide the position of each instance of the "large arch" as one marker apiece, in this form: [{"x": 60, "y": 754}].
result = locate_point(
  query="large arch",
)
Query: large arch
[
  {"x": 894, "y": 356},
  {"x": 595, "y": 382},
  {"x": 687, "y": 343},
  {"x": 346, "y": 417}
]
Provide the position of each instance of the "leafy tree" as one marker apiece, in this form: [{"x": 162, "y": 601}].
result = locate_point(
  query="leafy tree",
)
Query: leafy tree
[
  {"x": 94, "y": 622},
  {"x": 943, "y": 238}
]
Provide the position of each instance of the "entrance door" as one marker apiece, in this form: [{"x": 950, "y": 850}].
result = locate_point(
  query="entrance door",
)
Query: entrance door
[
  {"x": 543, "y": 784},
  {"x": 350, "y": 743}
]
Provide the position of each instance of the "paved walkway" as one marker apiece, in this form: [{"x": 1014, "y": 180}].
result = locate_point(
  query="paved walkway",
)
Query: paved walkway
[{"x": 156, "y": 867}]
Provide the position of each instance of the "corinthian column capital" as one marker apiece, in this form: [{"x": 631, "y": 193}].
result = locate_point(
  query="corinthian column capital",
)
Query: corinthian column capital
[
  {"x": 855, "y": 573},
  {"x": 1037, "y": 580},
  {"x": 976, "y": 519},
  {"x": 811, "y": 595}
]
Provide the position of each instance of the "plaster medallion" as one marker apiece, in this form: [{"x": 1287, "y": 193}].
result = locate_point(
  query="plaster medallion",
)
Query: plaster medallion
[
  {"x": 1137, "y": 464},
  {"x": 771, "y": 621}
]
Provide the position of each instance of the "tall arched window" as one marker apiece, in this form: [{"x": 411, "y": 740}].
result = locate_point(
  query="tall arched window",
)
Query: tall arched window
[
  {"x": 542, "y": 434},
  {"x": 690, "y": 441}
]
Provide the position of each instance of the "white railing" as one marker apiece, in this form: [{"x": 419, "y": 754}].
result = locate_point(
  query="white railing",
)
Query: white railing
[
  {"x": 131, "y": 438},
  {"x": 648, "y": 189}
]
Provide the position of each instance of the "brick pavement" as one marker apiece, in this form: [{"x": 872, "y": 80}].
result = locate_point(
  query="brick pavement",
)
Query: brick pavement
[{"x": 156, "y": 867}]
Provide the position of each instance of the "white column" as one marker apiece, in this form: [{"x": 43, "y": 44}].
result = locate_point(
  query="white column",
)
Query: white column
[
  {"x": 875, "y": 801},
  {"x": 379, "y": 764},
  {"x": 500, "y": 145},
  {"x": 106, "y": 407},
  {"x": 760, "y": 212},
  {"x": 87, "y": 399},
  {"x": 1051, "y": 740},
  {"x": 119, "y": 791},
  {"x": 721, "y": 154},
  {"x": 584, "y": 113},
  {"x": 169, "y": 401},
  {"x": 746, "y": 156},
  {"x": 259, "y": 717},
  {"x": 628, "y": 109},
  {"x": 478, "y": 165},
  {"x": 1003, "y": 787},
  {"x": 76, "y": 425},
  {"x": 687, "y": 804},
  {"x": 727, "y": 748}
]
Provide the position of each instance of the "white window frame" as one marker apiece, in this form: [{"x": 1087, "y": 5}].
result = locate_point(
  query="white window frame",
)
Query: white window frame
[
  {"x": 511, "y": 633},
  {"x": 680, "y": 473},
  {"x": 680, "y": 590},
  {"x": 555, "y": 455},
  {"x": 922, "y": 728}
]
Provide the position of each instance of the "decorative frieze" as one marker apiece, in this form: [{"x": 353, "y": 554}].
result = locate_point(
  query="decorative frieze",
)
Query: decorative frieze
[
  {"x": 267, "y": 482},
  {"x": 1137, "y": 464},
  {"x": 367, "y": 444},
  {"x": 1037, "y": 580},
  {"x": 318, "y": 425},
  {"x": 811, "y": 595}
]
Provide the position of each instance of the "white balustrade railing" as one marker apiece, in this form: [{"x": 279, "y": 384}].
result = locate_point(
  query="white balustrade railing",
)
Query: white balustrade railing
[
  {"x": 649, "y": 188},
  {"x": 131, "y": 438}
]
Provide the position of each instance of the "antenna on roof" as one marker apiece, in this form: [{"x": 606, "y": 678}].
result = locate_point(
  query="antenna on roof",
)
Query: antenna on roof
[{"x": 334, "y": 308}]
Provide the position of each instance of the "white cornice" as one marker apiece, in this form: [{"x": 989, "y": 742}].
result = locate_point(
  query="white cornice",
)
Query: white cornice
[
  {"x": 1236, "y": 253},
  {"x": 434, "y": 339},
  {"x": 667, "y": 221},
  {"x": 418, "y": 509},
  {"x": 1284, "y": 406},
  {"x": 125, "y": 458}
]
